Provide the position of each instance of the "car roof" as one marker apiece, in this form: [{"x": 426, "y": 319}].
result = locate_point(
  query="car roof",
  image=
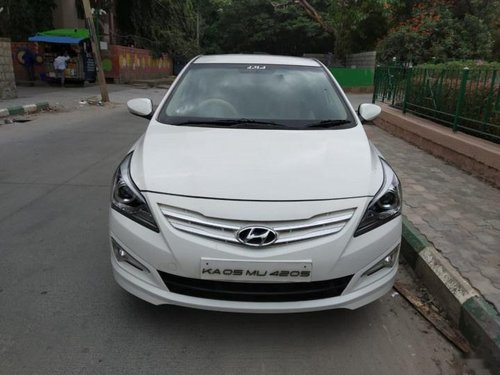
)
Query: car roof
[{"x": 255, "y": 59}]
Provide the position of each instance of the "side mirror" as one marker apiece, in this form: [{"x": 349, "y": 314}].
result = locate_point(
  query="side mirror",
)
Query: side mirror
[
  {"x": 142, "y": 107},
  {"x": 368, "y": 112}
]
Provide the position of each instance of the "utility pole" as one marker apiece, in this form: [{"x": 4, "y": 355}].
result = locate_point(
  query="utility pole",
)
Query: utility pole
[
  {"x": 96, "y": 22},
  {"x": 96, "y": 49}
]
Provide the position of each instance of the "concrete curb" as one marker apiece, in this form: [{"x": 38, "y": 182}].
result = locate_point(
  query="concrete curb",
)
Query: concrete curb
[
  {"x": 23, "y": 109},
  {"x": 476, "y": 319}
]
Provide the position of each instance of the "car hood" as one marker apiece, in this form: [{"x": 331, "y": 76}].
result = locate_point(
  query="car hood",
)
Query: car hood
[{"x": 256, "y": 164}]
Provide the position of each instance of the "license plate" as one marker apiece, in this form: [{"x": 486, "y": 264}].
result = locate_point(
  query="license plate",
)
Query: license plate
[{"x": 254, "y": 271}]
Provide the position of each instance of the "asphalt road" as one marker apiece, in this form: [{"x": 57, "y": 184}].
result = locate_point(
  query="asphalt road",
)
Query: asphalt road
[{"x": 62, "y": 313}]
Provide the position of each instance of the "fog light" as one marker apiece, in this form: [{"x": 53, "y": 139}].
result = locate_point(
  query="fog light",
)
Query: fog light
[
  {"x": 122, "y": 256},
  {"x": 386, "y": 262}
]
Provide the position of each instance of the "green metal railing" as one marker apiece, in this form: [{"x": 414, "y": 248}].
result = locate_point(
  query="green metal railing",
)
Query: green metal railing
[{"x": 467, "y": 100}]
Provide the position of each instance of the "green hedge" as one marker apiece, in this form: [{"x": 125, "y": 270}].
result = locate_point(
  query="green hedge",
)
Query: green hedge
[{"x": 353, "y": 77}]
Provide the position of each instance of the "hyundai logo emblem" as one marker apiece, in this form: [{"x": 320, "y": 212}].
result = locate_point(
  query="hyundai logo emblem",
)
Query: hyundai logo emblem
[{"x": 257, "y": 236}]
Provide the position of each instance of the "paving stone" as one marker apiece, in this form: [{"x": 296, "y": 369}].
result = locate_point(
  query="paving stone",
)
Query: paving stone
[
  {"x": 431, "y": 207},
  {"x": 429, "y": 196},
  {"x": 488, "y": 239},
  {"x": 442, "y": 244},
  {"x": 495, "y": 224},
  {"x": 490, "y": 273},
  {"x": 468, "y": 226},
  {"x": 440, "y": 222},
  {"x": 415, "y": 219},
  {"x": 419, "y": 188},
  {"x": 454, "y": 214}
]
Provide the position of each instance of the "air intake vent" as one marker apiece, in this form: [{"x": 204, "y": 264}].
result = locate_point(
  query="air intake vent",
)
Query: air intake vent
[{"x": 255, "y": 292}]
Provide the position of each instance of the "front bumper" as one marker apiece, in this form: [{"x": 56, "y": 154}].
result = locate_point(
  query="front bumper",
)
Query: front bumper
[
  {"x": 179, "y": 254},
  {"x": 158, "y": 295}
]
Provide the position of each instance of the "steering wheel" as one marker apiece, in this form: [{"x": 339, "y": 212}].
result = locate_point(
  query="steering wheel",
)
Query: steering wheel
[{"x": 215, "y": 107}]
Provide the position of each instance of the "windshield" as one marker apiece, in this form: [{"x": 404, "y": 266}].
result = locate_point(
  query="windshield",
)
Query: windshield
[{"x": 250, "y": 96}]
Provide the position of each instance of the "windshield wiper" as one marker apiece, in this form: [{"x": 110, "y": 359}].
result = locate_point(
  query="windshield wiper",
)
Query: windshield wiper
[
  {"x": 233, "y": 123},
  {"x": 327, "y": 123}
]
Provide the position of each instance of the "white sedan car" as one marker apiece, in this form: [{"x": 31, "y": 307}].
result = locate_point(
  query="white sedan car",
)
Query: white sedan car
[{"x": 255, "y": 189}]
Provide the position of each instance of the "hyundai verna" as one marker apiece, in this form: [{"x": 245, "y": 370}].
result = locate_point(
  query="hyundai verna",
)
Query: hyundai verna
[{"x": 255, "y": 189}]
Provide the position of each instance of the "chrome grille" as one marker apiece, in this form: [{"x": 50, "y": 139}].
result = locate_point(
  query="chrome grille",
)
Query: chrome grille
[{"x": 226, "y": 230}]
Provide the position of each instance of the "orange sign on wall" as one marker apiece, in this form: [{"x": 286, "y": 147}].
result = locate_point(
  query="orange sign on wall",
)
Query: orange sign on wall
[{"x": 127, "y": 63}]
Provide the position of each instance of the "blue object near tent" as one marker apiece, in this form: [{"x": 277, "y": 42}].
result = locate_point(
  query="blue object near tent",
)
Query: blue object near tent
[{"x": 55, "y": 39}]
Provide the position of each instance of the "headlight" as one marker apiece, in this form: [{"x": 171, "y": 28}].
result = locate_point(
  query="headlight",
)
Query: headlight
[
  {"x": 386, "y": 205},
  {"x": 128, "y": 200}
]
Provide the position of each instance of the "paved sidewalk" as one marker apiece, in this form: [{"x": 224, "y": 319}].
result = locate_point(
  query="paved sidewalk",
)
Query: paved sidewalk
[
  {"x": 459, "y": 214},
  {"x": 68, "y": 98}
]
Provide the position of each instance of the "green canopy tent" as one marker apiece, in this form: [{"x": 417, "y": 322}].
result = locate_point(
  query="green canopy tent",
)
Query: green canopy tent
[
  {"x": 64, "y": 36},
  {"x": 81, "y": 66}
]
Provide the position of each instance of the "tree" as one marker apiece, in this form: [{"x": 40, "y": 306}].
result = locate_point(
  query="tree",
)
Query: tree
[
  {"x": 439, "y": 30},
  {"x": 22, "y": 18},
  {"x": 160, "y": 25},
  {"x": 355, "y": 25},
  {"x": 258, "y": 26},
  {"x": 273, "y": 26},
  {"x": 485, "y": 13},
  {"x": 358, "y": 25}
]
